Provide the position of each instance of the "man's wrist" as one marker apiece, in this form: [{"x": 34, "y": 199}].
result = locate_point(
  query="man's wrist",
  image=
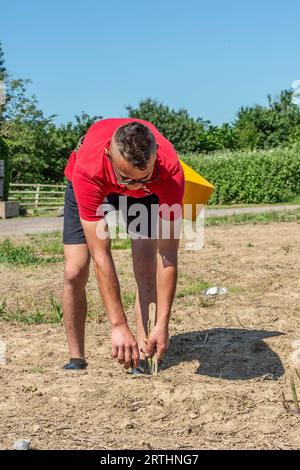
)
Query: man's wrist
[
  {"x": 122, "y": 320},
  {"x": 163, "y": 322}
]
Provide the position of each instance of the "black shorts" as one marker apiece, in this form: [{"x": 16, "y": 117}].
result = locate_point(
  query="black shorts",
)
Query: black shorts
[{"x": 73, "y": 233}]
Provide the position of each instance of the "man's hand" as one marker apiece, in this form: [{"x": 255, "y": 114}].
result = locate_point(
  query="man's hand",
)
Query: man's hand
[
  {"x": 158, "y": 341},
  {"x": 124, "y": 346}
]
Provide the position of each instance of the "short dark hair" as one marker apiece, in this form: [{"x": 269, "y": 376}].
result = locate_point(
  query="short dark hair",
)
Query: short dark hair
[{"x": 136, "y": 143}]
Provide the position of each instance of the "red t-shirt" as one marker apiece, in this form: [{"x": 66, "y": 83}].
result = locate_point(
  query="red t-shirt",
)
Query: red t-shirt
[{"x": 93, "y": 177}]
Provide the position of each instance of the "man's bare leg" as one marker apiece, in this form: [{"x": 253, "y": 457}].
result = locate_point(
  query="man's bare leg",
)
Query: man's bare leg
[
  {"x": 76, "y": 273},
  {"x": 144, "y": 258}
]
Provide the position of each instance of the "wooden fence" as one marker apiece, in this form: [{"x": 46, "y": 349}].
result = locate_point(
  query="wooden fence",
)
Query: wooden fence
[{"x": 37, "y": 196}]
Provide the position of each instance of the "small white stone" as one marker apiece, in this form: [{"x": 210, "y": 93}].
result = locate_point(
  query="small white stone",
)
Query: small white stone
[
  {"x": 22, "y": 444},
  {"x": 216, "y": 291}
]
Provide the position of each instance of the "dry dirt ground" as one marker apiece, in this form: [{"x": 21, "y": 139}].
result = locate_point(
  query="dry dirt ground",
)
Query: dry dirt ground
[{"x": 220, "y": 385}]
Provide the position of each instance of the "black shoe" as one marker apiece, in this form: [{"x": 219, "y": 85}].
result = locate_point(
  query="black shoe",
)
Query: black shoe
[
  {"x": 139, "y": 370},
  {"x": 76, "y": 364}
]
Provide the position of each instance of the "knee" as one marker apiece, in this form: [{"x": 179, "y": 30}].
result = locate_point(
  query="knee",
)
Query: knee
[{"x": 75, "y": 277}]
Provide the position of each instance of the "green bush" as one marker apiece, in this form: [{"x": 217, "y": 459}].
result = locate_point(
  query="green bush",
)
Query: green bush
[
  {"x": 261, "y": 176},
  {"x": 4, "y": 156},
  {"x": 11, "y": 254}
]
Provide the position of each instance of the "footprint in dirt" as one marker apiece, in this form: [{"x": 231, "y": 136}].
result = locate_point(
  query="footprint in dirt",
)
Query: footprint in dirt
[{"x": 227, "y": 353}]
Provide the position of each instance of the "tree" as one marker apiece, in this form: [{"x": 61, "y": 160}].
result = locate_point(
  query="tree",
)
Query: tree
[
  {"x": 4, "y": 154},
  {"x": 26, "y": 131},
  {"x": 3, "y": 76},
  {"x": 268, "y": 127},
  {"x": 63, "y": 140},
  {"x": 39, "y": 149},
  {"x": 294, "y": 137},
  {"x": 221, "y": 138},
  {"x": 185, "y": 133},
  {"x": 2, "y": 66}
]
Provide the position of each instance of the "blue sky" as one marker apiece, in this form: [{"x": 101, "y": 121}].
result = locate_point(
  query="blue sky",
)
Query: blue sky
[{"x": 210, "y": 57}]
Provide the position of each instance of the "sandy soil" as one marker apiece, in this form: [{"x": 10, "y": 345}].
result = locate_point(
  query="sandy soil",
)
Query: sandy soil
[{"x": 220, "y": 385}]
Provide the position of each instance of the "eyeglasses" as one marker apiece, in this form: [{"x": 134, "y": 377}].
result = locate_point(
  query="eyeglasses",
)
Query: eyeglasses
[{"x": 129, "y": 181}]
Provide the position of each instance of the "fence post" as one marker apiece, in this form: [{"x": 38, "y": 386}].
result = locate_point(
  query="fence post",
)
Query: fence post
[{"x": 36, "y": 202}]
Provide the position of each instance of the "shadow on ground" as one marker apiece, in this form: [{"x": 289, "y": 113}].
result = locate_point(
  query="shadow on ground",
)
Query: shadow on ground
[{"x": 227, "y": 353}]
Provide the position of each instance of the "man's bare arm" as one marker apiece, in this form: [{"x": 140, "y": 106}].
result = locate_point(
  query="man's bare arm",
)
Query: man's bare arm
[
  {"x": 124, "y": 345},
  {"x": 166, "y": 279},
  {"x": 166, "y": 287}
]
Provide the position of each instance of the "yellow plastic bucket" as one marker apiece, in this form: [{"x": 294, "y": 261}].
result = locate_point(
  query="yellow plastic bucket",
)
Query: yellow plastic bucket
[{"x": 197, "y": 191}]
